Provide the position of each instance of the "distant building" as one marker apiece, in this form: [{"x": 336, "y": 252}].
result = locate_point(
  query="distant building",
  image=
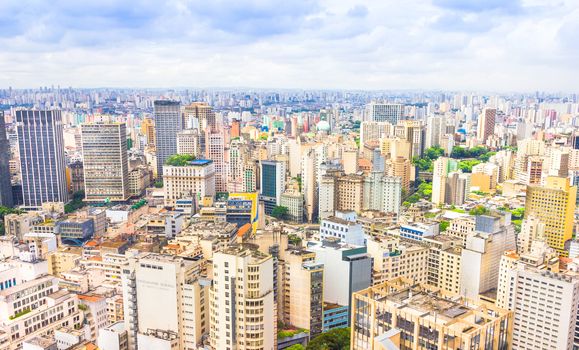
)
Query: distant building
[
  {"x": 385, "y": 112},
  {"x": 168, "y": 122}
]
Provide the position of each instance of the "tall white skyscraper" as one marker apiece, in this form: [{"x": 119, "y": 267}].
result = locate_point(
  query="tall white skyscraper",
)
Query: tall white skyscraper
[
  {"x": 385, "y": 112},
  {"x": 168, "y": 122},
  {"x": 42, "y": 161}
]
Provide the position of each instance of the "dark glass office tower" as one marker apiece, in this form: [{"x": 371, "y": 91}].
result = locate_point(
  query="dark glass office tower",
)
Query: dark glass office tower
[
  {"x": 5, "y": 185},
  {"x": 42, "y": 161}
]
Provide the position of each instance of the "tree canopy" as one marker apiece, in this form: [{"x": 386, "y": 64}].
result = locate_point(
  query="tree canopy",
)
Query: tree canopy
[
  {"x": 335, "y": 339},
  {"x": 279, "y": 212},
  {"x": 179, "y": 159}
]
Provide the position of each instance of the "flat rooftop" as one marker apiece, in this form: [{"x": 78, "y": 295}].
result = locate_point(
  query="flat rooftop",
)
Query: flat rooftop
[{"x": 200, "y": 162}]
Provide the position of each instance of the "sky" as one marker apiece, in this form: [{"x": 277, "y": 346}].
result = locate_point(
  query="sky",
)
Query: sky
[{"x": 491, "y": 45}]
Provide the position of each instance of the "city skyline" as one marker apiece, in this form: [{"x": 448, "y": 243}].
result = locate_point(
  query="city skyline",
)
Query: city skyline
[{"x": 438, "y": 45}]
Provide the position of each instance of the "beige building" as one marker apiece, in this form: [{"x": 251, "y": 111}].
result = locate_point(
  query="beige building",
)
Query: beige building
[
  {"x": 350, "y": 193},
  {"x": 392, "y": 259},
  {"x": 63, "y": 260},
  {"x": 189, "y": 142},
  {"x": 194, "y": 179},
  {"x": 400, "y": 167},
  {"x": 243, "y": 312},
  {"x": 427, "y": 318},
  {"x": 303, "y": 289}
]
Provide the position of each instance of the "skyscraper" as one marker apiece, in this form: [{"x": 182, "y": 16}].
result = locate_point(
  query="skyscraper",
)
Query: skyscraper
[
  {"x": 554, "y": 205},
  {"x": 385, "y": 112},
  {"x": 42, "y": 162},
  {"x": 5, "y": 185},
  {"x": 215, "y": 150},
  {"x": 106, "y": 169},
  {"x": 242, "y": 306},
  {"x": 486, "y": 124},
  {"x": 272, "y": 183},
  {"x": 168, "y": 122}
]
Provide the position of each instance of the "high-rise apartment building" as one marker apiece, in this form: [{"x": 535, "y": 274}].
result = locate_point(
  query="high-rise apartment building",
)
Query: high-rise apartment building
[
  {"x": 243, "y": 312},
  {"x": 349, "y": 192},
  {"x": 435, "y": 129},
  {"x": 106, "y": 169},
  {"x": 402, "y": 168},
  {"x": 494, "y": 234},
  {"x": 189, "y": 142},
  {"x": 400, "y": 314},
  {"x": 347, "y": 269},
  {"x": 199, "y": 115},
  {"x": 384, "y": 112},
  {"x": 543, "y": 299},
  {"x": 42, "y": 161},
  {"x": 373, "y": 131},
  {"x": 303, "y": 290},
  {"x": 486, "y": 124},
  {"x": 5, "y": 183},
  {"x": 383, "y": 193},
  {"x": 166, "y": 303},
  {"x": 441, "y": 168},
  {"x": 554, "y": 205},
  {"x": 168, "y": 122},
  {"x": 215, "y": 151}
]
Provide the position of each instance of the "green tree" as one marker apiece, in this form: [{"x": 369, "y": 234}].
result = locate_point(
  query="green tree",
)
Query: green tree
[
  {"x": 294, "y": 239},
  {"x": 158, "y": 184},
  {"x": 443, "y": 225},
  {"x": 433, "y": 153},
  {"x": 279, "y": 212},
  {"x": 76, "y": 202},
  {"x": 296, "y": 347},
  {"x": 518, "y": 213},
  {"x": 179, "y": 159},
  {"x": 466, "y": 165},
  {"x": 479, "y": 210},
  {"x": 335, "y": 339}
]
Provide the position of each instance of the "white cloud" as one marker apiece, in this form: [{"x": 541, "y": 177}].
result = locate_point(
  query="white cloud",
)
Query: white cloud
[{"x": 447, "y": 44}]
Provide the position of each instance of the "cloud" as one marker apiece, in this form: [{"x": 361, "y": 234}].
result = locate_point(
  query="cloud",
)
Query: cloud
[
  {"x": 358, "y": 11},
  {"x": 508, "y": 6},
  {"x": 387, "y": 44}
]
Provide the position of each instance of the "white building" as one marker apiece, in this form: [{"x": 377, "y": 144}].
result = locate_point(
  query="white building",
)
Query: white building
[
  {"x": 151, "y": 278},
  {"x": 383, "y": 193},
  {"x": 344, "y": 227},
  {"x": 385, "y": 112},
  {"x": 113, "y": 337},
  {"x": 482, "y": 255},
  {"x": 196, "y": 178},
  {"x": 347, "y": 269}
]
